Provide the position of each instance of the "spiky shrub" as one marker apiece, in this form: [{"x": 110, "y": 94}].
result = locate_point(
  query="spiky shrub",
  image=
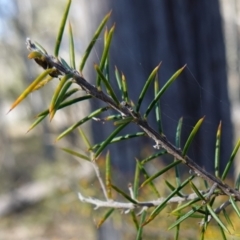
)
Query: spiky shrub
[{"x": 204, "y": 204}]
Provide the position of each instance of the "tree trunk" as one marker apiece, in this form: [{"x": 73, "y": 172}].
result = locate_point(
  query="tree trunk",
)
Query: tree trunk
[{"x": 176, "y": 33}]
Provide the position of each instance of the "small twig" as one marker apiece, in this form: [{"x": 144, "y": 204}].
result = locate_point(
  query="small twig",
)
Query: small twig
[
  {"x": 211, "y": 191},
  {"x": 96, "y": 169},
  {"x": 129, "y": 206},
  {"x": 131, "y": 191},
  {"x": 222, "y": 206}
]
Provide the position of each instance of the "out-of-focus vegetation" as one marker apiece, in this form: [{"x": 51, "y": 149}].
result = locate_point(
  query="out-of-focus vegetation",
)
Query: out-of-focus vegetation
[{"x": 32, "y": 158}]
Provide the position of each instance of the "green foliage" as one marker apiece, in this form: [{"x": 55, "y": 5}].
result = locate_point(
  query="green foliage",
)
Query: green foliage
[{"x": 192, "y": 201}]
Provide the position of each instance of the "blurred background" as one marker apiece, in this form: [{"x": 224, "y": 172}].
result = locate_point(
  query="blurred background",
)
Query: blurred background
[{"x": 38, "y": 181}]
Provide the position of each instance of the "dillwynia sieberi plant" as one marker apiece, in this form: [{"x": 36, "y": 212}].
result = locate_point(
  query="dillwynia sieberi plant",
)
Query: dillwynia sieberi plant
[{"x": 201, "y": 203}]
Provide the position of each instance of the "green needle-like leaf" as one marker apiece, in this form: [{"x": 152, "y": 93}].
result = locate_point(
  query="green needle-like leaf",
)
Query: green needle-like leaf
[
  {"x": 43, "y": 83},
  {"x": 178, "y": 145},
  {"x": 108, "y": 176},
  {"x": 90, "y": 116},
  {"x": 172, "y": 188},
  {"x": 186, "y": 205},
  {"x": 72, "y": 101},
  {"x": 230, "y": 161},
  {"x": 227, "y": 217},
  {"x": 60, "y": 99},
  {"x": 109, "y": 139},
  {"x": 176, "y": 237},
  {"x": 192, "y": 135},
  {"x": 124, "y": 194},
  {"x": 52, "y": 107},
  {"x": 76, "y": 154},
  {"x": 235, "y": 207},
  {"x": 118, "y": 139},
  {"x": 217, "y": 149},
  {"x": 113, "y": 117},
  {"x": 157, "y": 106},
  {"x": 63, "y": 94},
  {"x": 107, "y": 84},
  {"x": 178, "y": 133},
  {"x": 61, "y": 29},
  {"x": 30, "y": 88},
  {"x": 212, "y": 200},
  {"x": 155, "y": 155},
  {"x": 184, "y": 217},
  {"x": 146, "y": 86},
  {"x": 65, "y": 64},
  {"x": 71, "y": 48},
  {"x": 42, "y": 115},
  {"x": 119, "y": 81},
  {"x": 162, "y": 90},
  {"x": 123, "y": 120},
  {"x": 93, "y": 41},
  {"x": 105, "y": 68},
  {"x": 70, "y": 92},
  {"x": 105, "y": 217},
  {"x": 105, "y": 36},
  {"x": 136, "y": 180},
  {"x": 35, "y": 123},
  {"x": 66, "y": 104},
  {"x": 237, "y": 183},
  {"x": 40, "y": 47},
  {"x": 160, "y": 172},
  {"x": 105, "y": 52},
  {"x": 223, "y": 233},
  {"x": 203, "y": 230},
  {"x": 125, "y": 89},
  {"x": 146, "y": 176},
  {"x": 84, "y": 137},
  {"x": 159, "y": 208},
  {"x": 140, "y": 229},
  {"x": 214, "y": 215},
  {"x": 195, "y": 189},
  {"x": 134, "y": 218}
]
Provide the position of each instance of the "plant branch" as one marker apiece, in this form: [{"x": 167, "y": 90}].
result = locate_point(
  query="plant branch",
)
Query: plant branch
[
  {"x": 130, "y": 206},
  {"x": 96, "y": 169},
  {"x": 126, "y": 111}
]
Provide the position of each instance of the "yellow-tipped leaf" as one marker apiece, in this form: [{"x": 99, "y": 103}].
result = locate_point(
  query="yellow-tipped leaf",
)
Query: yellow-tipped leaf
[{"x": 30, "y": 88}]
